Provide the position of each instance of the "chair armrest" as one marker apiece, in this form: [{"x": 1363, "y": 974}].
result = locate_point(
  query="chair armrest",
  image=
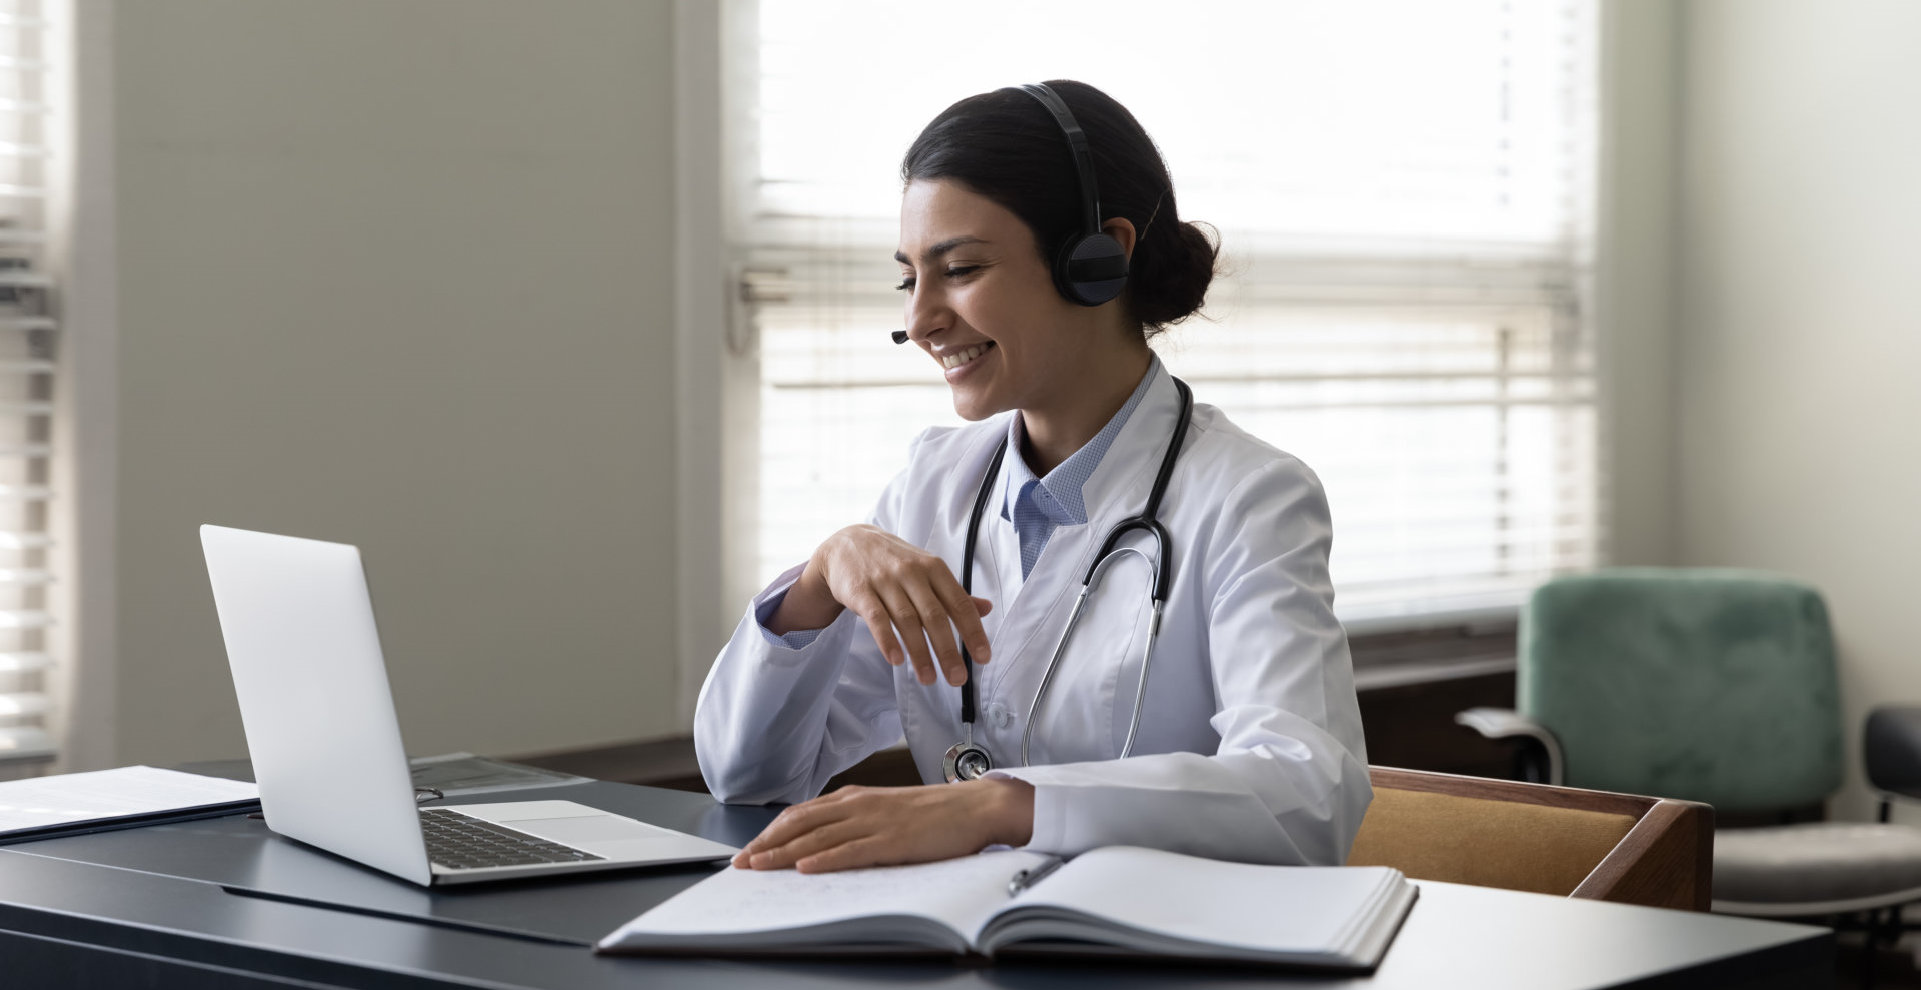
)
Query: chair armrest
[
  {"x": 1529, "y": 836},
  {"x": 1504, "y": 723},
  {"x": 1892, "y": 749}
]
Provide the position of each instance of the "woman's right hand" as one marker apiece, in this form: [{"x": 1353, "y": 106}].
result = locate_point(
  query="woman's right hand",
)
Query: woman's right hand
[{"x": 906, "y": 595}]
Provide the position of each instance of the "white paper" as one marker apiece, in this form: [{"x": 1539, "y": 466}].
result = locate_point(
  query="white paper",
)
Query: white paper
[
  {"x": 37, "y": 802},
  {"x": 958, "y": 892},
  {"x": 1281, "y": 909}
]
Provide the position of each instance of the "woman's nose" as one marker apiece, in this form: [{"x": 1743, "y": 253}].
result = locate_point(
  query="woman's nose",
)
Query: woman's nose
[{"x": 927, "y": 312}]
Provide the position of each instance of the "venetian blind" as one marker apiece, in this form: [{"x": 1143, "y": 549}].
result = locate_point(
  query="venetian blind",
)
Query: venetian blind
[
  {"x": 1403, "y": 190},
  {"x": 26, "y": 378}
]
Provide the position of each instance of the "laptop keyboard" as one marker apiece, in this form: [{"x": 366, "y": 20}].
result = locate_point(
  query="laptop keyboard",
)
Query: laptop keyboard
[{"x": 463, "y": 842}]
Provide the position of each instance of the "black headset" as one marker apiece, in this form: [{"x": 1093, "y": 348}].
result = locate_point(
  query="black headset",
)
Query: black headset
[{"x": 1090, "y": 268}]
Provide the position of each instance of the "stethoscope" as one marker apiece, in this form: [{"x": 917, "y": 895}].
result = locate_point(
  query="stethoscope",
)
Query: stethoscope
[{"x": 968, "y": 760}]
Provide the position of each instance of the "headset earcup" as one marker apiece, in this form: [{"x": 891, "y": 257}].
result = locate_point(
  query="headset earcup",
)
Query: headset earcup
[{"x": 1091, "y": 269}]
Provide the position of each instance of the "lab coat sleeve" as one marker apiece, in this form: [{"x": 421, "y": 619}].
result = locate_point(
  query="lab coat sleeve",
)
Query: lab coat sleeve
[
  {"x": 780, "y": 716},
  {"x": 775, "y": 723},
  {"x": 1288, "y": 783}
]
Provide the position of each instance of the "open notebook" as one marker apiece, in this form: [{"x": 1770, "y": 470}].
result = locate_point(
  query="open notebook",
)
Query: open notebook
[{"x": 1115, "y": 901}]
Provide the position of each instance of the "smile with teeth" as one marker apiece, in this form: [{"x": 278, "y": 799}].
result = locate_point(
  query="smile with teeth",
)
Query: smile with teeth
[{"x": 959, "y": 358}]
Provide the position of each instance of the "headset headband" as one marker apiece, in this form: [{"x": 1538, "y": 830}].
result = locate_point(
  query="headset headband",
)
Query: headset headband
[
  {"x": 1091, "y": 267},
  {"x": 1077, "y": 143}
]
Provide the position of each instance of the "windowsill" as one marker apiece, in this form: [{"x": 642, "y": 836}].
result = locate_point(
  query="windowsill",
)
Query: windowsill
[
  {"x": 1432, "y": 656},
  {"x": 1393, "y": 675}
]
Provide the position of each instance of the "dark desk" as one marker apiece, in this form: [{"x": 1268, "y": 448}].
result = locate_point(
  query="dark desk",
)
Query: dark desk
[{"x": 223, "y": 903}]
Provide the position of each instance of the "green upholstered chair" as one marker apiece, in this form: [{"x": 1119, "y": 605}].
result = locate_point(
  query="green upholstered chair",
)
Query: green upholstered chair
[{"x": 1717, "y": 686}]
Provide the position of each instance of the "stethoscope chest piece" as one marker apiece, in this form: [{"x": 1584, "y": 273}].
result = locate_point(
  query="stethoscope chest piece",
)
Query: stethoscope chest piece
[{"x": 966, "y": 761}]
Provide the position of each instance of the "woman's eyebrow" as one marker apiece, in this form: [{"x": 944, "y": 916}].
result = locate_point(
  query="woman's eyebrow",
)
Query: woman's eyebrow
[{"x": 939, "y": 249}]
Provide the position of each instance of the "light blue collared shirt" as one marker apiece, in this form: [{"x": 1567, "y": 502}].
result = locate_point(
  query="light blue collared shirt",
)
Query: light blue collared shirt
[{"x": 1038, "y": 506}]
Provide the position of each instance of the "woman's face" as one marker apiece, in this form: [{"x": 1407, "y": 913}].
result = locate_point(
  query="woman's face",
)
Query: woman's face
[{"x": 982, "y": 303}]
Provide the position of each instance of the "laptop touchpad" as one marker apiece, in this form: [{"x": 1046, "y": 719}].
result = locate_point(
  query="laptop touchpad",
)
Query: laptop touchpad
[{"x": 591, "y": 829}]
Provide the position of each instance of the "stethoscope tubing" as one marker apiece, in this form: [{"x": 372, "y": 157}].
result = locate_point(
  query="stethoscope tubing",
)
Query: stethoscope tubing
[
  {"x": 1060, "y": 648},
  {"x": 969, "y": 697},
  {"x": 1110, "y": 551}
]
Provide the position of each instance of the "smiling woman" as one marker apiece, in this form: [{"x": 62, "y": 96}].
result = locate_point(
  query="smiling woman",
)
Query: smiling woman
[
  {"x": 988, "y": 312},
  {"x": 1040, "y": 246}
]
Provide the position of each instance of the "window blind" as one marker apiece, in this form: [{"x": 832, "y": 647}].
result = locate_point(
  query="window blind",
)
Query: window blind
[
  {"x": 26, "y": 379},
  {"x": 1404, "y": 195}
]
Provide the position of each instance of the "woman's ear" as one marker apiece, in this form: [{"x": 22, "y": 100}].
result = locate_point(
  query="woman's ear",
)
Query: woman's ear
[{"x": 1121, "y": 229}]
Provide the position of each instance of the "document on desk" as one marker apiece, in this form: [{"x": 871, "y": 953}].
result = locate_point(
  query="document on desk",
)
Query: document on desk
[
  {"x": 73, "y": 803},
  {"x": 1118, "y": 901}
]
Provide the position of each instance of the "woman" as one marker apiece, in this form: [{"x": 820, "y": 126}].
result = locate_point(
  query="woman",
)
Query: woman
[{"x": 1248, "y": 744}]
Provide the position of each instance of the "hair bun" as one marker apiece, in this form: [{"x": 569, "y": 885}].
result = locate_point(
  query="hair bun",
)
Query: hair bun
[{"x": 1172, "y": 266}]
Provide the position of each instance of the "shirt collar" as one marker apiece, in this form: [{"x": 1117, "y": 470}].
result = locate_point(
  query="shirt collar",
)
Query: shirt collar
[{"x": 1063, "y": 485}]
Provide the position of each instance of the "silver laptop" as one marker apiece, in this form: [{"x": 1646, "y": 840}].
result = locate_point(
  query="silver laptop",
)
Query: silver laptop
[{"x": 320, "y": 725}]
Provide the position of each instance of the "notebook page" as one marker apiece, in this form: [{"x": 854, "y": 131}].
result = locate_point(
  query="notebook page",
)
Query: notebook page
[
  {"x": 959, "y": 893},
  {"x": 37, "y": 802},
  {"x": 1290, "y": 909}
]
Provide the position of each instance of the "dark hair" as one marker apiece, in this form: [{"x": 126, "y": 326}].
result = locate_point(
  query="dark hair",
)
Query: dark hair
[{"x": 1007, "y": 147}]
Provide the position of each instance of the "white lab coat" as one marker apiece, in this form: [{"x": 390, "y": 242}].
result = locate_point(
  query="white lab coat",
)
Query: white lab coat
[{"x": 1250, "y": 743}]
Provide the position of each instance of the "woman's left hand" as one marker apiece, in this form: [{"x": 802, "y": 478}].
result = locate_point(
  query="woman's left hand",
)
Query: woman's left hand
[{"x": 884, "y": 826}]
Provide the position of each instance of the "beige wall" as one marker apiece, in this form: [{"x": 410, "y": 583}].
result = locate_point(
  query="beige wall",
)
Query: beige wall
[
  {"x": 401, "y": 275},
  {"x": 1799, "y": 348}
]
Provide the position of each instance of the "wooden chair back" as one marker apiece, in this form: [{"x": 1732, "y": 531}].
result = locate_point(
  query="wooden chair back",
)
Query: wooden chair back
[{"x": 1551, "y": 840}]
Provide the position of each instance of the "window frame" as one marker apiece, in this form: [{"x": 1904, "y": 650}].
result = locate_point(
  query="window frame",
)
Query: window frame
[{"x": 719, "y": 380}]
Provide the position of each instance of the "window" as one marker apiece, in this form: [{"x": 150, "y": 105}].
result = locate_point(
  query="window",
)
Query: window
[
  {"x": 1403, "y": 191},
  {"x": 26, "y": 379}
]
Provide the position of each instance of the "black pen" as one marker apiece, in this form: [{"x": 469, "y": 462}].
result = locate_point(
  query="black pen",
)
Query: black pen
[{"x": 1028, "y": 878}]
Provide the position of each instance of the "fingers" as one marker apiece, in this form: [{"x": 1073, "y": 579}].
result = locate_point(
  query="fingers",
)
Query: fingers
[
  {"x": 879, "y": 826},
  {"x": 841, "y": 831},
  {"x": 864, "y": 851},
  {"x": 913, "y": 634},
  {"x": 800, "y": 831},
  {"x": 790, "y": 824},
  {"x": 940, "y": 631},
  {"x": 820, "y": 840},
  {"x": 910, "y": 623},
  {"x": 965, "y": 611},
  {"x": 881, "y": 626},
  {"x": 910, "y": 601}
]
